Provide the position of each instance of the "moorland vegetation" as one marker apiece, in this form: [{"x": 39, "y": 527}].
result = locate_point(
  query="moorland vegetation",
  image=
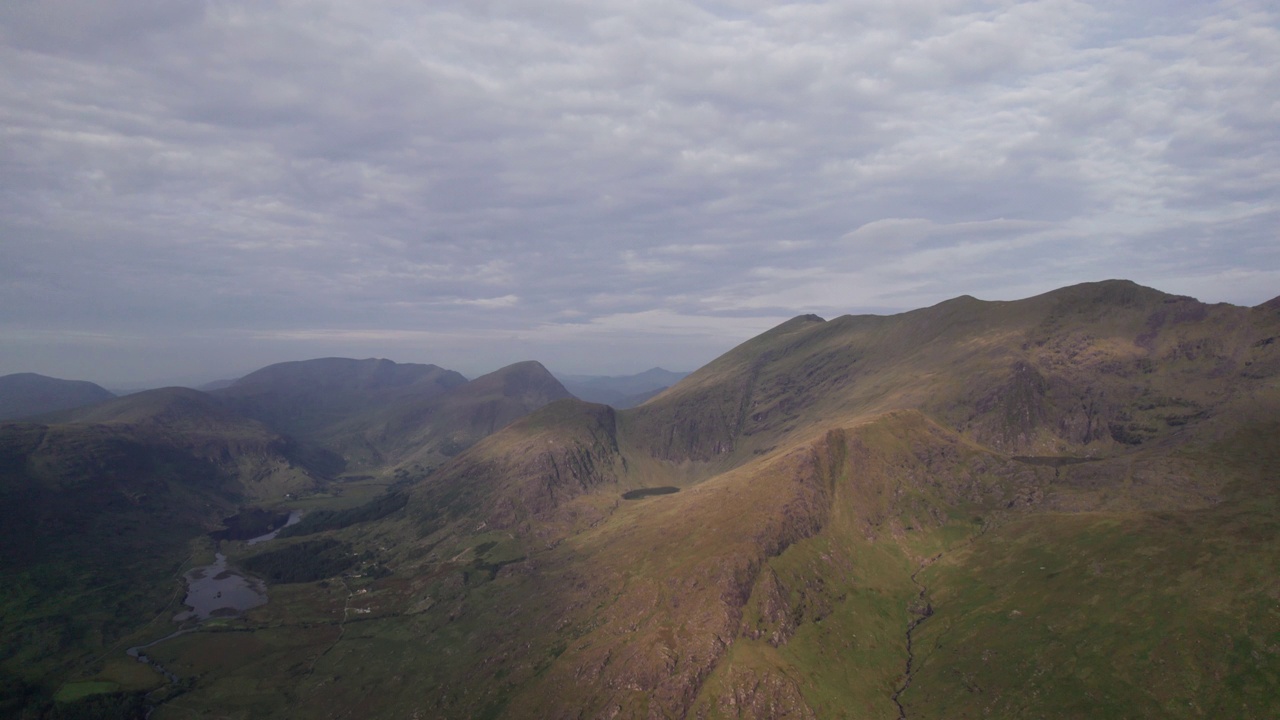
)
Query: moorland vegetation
[{"x": 1063, "y": 506}]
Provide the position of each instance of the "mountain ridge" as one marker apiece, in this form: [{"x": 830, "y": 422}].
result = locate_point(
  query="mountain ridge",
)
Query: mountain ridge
[
  {"x": 28, "y": 394},
  {"x": 1082, "y": 400},
  {"x": 854, "y": 517}
]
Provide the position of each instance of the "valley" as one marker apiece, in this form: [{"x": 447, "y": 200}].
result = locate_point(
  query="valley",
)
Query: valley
[{"x": 1064, "y": 506}]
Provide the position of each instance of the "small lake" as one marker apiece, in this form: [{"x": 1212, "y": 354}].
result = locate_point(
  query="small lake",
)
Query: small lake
[
  {"x": 649, "y": 492},
  {"x": 215, "y": 591}
]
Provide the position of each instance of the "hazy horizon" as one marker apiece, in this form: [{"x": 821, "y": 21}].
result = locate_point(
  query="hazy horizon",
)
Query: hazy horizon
[
  {"x": 193, "y": 189},
  {"x": 469, "y": 370}
]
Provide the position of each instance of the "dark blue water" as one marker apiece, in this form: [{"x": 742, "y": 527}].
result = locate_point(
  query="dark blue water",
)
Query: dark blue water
[{"x": 215, "y": 591}]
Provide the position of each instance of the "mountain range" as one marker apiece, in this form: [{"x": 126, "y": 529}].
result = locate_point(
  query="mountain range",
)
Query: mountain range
[
  {"x": 620, "y": 391},
  {"x": 1063, "y": 506}
]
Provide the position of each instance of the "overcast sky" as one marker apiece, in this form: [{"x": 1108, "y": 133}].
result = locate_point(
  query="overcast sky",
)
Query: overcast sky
[{"x": 195, "y": 189}]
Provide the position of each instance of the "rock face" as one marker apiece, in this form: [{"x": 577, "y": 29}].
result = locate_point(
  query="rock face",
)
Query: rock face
[
  {"x": 568, "y": 449},
  {"x": 757, "y": 694},
  {"x": 861, "y": 517},
  {"x": 1083, "y": 369},
  {"x": 421, "y": 435},
  {"x": 818, "y": 452}
]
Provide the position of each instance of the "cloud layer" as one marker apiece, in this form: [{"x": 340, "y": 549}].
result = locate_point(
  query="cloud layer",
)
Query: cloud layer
[{"x": 192, "y": 186}]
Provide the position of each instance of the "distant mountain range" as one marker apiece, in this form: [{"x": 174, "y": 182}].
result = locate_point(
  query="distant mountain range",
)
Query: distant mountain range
[
  {"x": 376, "y": 414},
  {"x": 620, "y": 391},
  {"x": 98, "y": 491},
  {"x": 27, "y": 394},
  {"x": 1062, "y": 506}
]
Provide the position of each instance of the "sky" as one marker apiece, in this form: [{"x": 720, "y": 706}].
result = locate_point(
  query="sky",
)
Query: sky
[{"x": 191, "y": 190}]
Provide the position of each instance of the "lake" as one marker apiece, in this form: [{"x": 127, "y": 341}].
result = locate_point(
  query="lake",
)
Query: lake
[{"x": 215, "y": 591}]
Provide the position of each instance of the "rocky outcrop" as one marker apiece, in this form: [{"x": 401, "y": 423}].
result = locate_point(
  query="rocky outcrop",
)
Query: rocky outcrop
[
  {"x": 753, "y": 694},
  {"x": 526, "y": 472}
]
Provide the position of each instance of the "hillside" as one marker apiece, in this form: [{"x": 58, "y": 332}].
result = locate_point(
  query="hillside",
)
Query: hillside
[
  {"x": 1059, "y": 507},
  {"x": 26, "y": 394},
  {"x": 304, "y": 398},
  {"x": 1083, "y": 370},
  {"x": 436, "y": 431},
  {"x": 98, "y": 507},
  {"x": 261, "y": 464},
  {"x": 362, "y": 416}
]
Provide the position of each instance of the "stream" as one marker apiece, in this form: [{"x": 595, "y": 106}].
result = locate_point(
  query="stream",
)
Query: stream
[
  {"x": 294, "y": 517},
  {"x": 923, "y": 610}
]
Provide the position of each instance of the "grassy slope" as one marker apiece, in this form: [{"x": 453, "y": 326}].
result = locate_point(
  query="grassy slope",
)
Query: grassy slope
[
  {"x": 101, "y": 504},
  {"x": 97, "y": 516},
  {"x": 1117, "y": 614},
  {"x": 821, "y": 465}
]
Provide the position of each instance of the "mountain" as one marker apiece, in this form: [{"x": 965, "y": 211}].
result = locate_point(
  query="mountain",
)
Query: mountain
[
  {"x": 98, "y": 506},
  {"x": 415, "y": 434},
  {"x": 623, "y": 391},
  {"x": 305, "y": 397},
  {"x": 116, "y": 495},
  {"x": 27, "y": 394},
  {"x": 375, "y": 415},
  {"x": 1063, "y": 506},
  {"x": 826, "y": 487},
  {"x": 1084, "y": 369},
  {"x": 314, "y": 400},
  {"x": 258, "y": 462}
]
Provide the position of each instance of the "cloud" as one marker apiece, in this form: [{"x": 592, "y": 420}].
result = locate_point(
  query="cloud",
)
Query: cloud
[
  {"x": 505, "y": 301},
  {"x": 487, "y": 169}
]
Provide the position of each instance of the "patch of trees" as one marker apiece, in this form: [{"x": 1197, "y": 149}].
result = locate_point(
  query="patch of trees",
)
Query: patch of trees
[
  {"x": 15, "y": 694},
  {"x": 304, "y": 562},
  {"x": 322, "y": 520},
  {"x": 481, "y": 571},
  {"x": 250, "y": 523},
  {"x": 1127, "y": 435}
]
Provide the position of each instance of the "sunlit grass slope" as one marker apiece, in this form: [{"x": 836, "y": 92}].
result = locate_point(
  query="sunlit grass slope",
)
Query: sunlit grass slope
[{"x": 1058, "y": 507}]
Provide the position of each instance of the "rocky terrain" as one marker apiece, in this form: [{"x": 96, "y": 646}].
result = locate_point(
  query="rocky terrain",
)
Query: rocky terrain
[{"x": 1062, "y": 506}]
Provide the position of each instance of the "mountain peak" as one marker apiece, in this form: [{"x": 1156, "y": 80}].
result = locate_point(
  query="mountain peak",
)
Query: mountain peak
[
  {"x": 524, "y": 366},
  {"x": 1119, "y": 292},
  {"x": 347, "y": 374},
  {"x": 528, "y": 377},
  {"x": 27, "y": 394}
]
